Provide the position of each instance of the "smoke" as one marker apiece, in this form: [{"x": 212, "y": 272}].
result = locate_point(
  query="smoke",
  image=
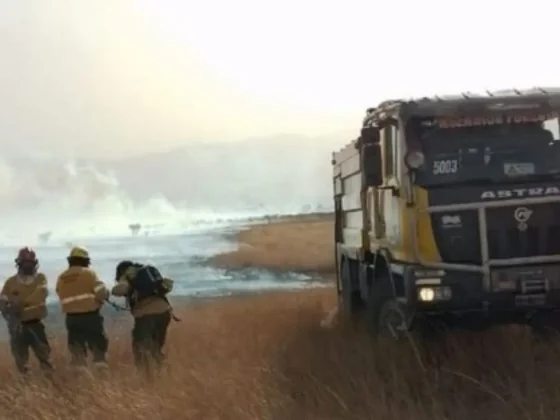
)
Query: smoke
[
  {"x": 71, "y": 199},
  {"x": 276, "y": 174},
  {"x": 76, "y": 198}
]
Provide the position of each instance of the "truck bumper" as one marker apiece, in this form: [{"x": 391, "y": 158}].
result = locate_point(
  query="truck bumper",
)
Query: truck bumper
[{"x": 514, "y": 291}]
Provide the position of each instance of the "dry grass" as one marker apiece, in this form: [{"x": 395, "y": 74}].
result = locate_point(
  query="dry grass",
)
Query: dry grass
[
  {"x": 266, "y": 357},
  {"x": 300, "y": 245}
]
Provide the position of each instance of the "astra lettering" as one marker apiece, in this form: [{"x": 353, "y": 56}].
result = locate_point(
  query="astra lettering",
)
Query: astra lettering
[{"x": 520, "y": 193}]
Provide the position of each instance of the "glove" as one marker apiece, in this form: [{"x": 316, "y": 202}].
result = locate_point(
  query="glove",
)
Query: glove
[{"x": 15, "y": 307}]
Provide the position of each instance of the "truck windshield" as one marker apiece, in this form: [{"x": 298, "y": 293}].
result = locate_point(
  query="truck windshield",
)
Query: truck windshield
[{"x": 488, "y": 153}]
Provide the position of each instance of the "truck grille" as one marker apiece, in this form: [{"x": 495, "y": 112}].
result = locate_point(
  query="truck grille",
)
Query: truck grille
[
  {"x": 520, "y": 230},
  {"x": 539, "y": 236},
  {"x": 514, "y": 243}
]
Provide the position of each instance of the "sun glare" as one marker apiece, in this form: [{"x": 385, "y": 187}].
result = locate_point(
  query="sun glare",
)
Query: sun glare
[{"x": 272, "y": 51}]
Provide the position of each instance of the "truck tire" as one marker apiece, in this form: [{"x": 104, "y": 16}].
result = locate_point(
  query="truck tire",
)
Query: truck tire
[
  {"x": 387, "y": 318},
  {"x": 350, "y": 299},
  {"x": 394, "y": 320}
]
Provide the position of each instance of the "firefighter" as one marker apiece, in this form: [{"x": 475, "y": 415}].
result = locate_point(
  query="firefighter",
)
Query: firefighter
[
  {"x": 23, "y": 305},
  {"x": 82, "y": 295},
  {"x": 150, "y": 308}
]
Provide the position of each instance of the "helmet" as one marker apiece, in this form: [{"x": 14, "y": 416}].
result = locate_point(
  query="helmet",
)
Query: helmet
[
  {"x": 79, "y": 252},
  {"x": 121, "y": 268},
  {"x": 26, "y": 255}
]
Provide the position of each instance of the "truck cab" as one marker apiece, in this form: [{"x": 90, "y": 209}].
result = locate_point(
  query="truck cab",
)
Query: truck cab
[{"x": 449, "y": 208}]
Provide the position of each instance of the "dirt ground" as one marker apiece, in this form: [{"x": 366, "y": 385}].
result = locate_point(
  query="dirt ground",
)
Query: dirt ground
[{"x": 268, "y": 357}]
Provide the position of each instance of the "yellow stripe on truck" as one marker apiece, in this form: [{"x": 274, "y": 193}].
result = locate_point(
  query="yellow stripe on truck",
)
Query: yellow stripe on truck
[{"x": 429, "y": 251}]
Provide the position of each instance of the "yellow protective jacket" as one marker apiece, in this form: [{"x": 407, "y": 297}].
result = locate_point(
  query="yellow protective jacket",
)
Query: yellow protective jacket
[
  {"x": 80, "y": 290},
  {"x": 29, "y": 293},
  {"x": 147, "y": 306}
]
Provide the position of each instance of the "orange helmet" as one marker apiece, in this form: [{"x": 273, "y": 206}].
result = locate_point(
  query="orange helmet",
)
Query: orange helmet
[{"x": 26, "y": 255}]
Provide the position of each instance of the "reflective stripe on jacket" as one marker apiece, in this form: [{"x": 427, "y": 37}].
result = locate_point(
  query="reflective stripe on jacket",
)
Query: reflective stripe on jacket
[{"x": 80, "y": 290}]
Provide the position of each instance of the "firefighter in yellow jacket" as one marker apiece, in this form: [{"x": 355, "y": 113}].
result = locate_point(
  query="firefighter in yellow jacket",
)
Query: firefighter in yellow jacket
[
  {"x": 23, "y": 305},
  {"x": 82, "y": 295},
  {"x": 150, "y": 308}
]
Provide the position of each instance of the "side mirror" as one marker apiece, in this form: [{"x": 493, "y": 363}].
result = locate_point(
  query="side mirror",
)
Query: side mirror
[
  {"x": 370, "y": 135},
  {"x": 371, "y": 165}
]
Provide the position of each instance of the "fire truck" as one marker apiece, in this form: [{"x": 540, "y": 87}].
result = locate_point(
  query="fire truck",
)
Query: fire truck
[{"x": 448, "y": 208}]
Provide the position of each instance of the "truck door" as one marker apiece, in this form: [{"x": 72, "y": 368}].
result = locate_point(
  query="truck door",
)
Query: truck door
[{"x": 390, "y": 211}]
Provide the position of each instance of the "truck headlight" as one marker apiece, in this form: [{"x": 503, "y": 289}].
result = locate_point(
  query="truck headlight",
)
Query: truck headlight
[
  {"x": 432, "y": 294},
  {"x": 426, "y": 294}
]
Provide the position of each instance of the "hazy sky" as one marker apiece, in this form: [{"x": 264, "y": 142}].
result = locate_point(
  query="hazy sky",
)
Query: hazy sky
[{"x": 120, "y": 76}]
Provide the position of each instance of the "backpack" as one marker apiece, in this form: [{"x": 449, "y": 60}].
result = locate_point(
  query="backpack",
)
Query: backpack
[{"x": 147, "y": 281}]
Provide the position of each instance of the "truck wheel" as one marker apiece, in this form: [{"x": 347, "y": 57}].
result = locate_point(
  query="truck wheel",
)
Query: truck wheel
[
  {"x": 387, "y": 317},
  {"x": 394, "y": 320},
  {"x": 350, "y": 300}
]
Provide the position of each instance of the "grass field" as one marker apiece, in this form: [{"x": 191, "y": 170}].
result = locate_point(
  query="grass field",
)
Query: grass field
[
  {"x": 303, "y": 244},
  {"x": 267, "y": 357}
]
